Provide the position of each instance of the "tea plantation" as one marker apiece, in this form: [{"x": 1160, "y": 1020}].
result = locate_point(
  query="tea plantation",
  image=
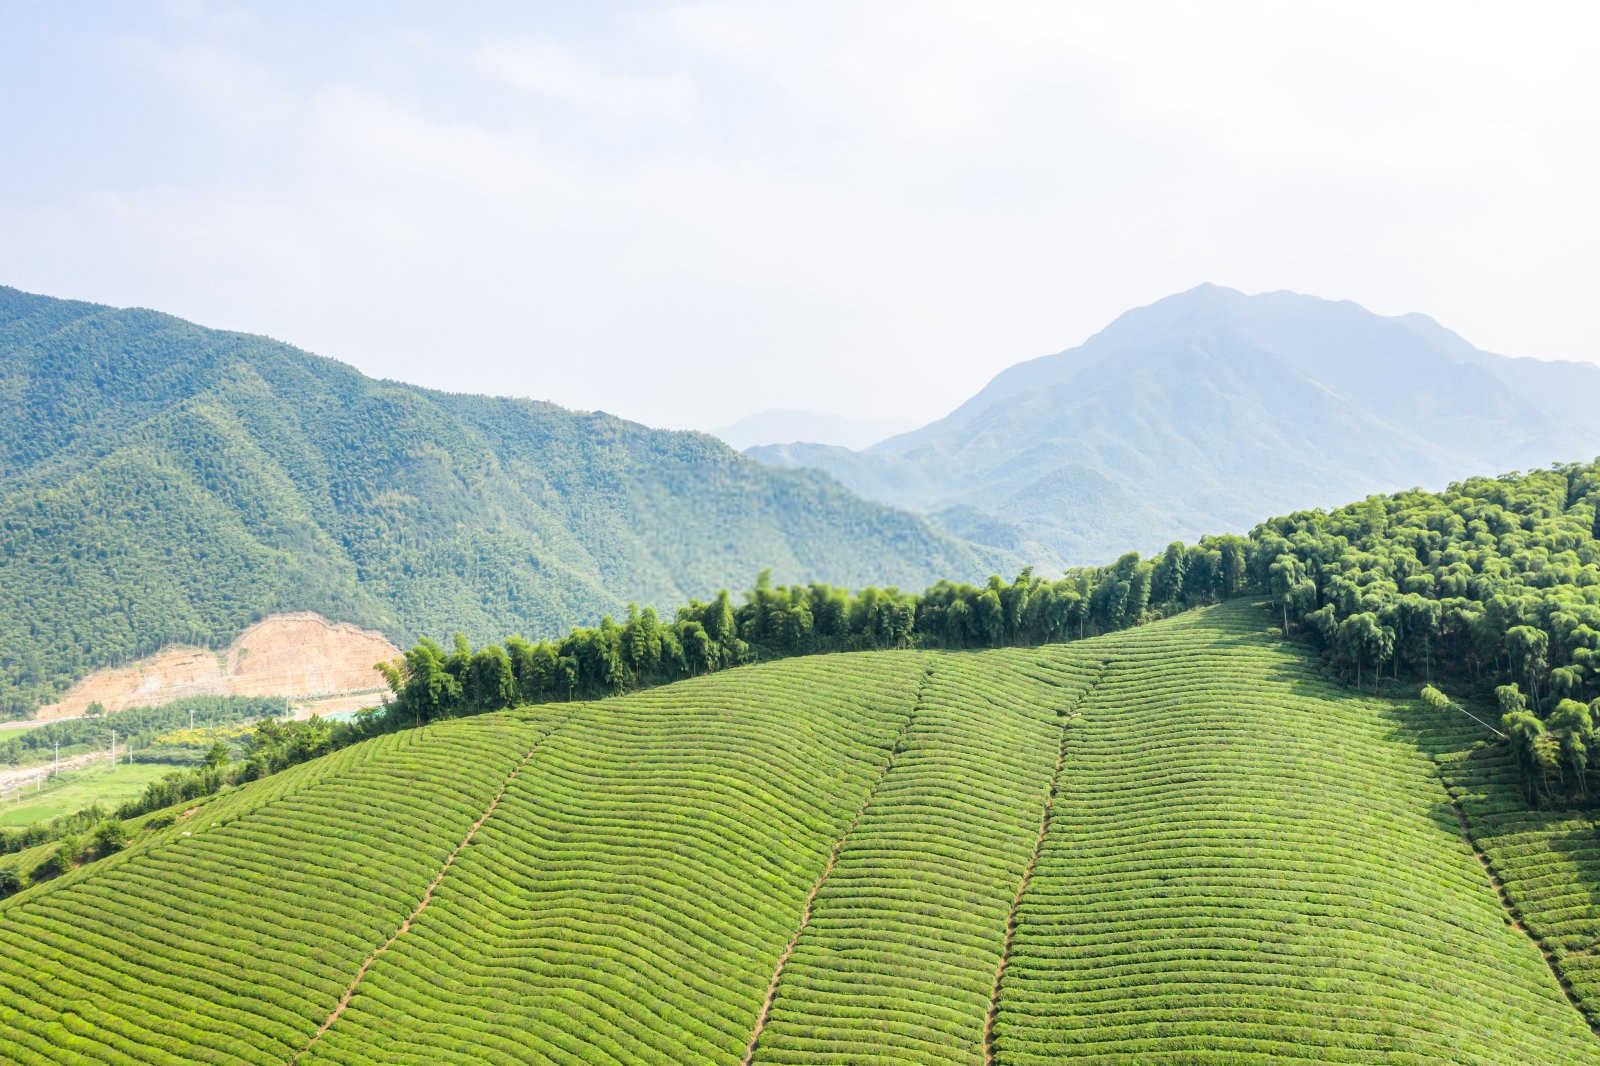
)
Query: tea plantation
[
  {"x": 1174, "y": 844},
  {"x": 1246, "y": 863}
]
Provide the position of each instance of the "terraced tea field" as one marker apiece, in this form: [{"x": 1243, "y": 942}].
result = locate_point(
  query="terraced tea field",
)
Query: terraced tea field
[
  {"x": 898, "y": 960},
  {"x": 1176, "y": 844},
  {"x": 641, "y": 875},
  {"x": 1246, "y": 863},
  {"x": 1548, "y": 862}
]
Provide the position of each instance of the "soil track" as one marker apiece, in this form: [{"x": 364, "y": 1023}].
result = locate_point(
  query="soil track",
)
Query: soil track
[{"x": 833, "y": 857}]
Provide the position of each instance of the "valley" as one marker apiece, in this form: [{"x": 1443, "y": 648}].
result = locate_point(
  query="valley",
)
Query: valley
[{"x": 28, "y": 796}]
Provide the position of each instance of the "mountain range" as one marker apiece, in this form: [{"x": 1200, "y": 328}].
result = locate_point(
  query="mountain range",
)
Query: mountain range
[
  {"x": 165, "y": 483},
  {"x": 1203, "y": 411}
]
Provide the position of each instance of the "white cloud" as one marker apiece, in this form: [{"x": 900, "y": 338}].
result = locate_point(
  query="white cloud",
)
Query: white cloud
[{"x": 589, "y": 84}]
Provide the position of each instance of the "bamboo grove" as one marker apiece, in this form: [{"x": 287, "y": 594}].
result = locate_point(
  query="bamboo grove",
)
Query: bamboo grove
[
  {"x": 1492, "y": 585},
  {"x": 780, "y": 621}
]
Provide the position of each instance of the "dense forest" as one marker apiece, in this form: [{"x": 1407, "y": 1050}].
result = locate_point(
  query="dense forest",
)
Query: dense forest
[
  {"x": 1493, "y": 584},
  {"x": 163, "y": 483}
]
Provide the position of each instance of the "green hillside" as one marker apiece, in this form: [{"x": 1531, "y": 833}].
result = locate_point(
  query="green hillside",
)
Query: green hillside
[
  {"x": 161, "y": 482},
  {"x": 1175, "y": 844},
  {"x": 1246, "y": 862}
]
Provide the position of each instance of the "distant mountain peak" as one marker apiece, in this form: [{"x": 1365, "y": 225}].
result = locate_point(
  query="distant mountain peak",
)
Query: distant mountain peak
[{"x": 1207, "y": 407}]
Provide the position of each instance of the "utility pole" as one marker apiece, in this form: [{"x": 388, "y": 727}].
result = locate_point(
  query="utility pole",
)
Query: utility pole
[
  {"x": 56, "y": 769},
  {"x": 113, "y": 747},
  {"x": 191, "y": 717}
]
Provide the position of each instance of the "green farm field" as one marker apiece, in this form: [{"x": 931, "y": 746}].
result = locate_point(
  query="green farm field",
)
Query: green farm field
[
  {"x": 76, "y": 789},
  {"x": 1176, "y": 844}
]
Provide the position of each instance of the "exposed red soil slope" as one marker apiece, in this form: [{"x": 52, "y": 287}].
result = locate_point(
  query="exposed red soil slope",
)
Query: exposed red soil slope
[{"x": 296, "y": 656}]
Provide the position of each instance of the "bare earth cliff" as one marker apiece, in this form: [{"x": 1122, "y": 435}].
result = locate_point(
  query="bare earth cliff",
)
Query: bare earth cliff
[{"x": 297, "y": 656}]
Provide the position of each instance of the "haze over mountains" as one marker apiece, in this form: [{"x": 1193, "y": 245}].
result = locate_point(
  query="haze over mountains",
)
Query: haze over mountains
[
  {"x": 161, "y": 482},
  {"x": 779, "y": 425},
  {"x": 1208, "y": 409}
]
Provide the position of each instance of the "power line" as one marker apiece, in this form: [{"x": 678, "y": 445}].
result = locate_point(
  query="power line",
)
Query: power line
[{"x": 1480, "y": 721}]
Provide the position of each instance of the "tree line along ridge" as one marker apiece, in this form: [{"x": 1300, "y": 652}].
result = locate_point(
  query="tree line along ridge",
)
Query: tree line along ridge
[{"x": 1492, "y": 585}]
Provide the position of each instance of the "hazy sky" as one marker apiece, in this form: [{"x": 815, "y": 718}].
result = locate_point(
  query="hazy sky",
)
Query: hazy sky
[{"x": 682, "y": 213}]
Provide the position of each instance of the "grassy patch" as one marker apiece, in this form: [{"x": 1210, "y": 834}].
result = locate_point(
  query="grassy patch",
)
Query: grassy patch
[{"x": 73, "y": 790}]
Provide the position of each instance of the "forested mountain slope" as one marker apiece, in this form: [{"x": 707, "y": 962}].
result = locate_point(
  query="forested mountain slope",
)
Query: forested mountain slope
[
  {"x": 1175, "y": 844},
  {"x": 161, "y": 482},
  {"x": 1206, "y": 410}
]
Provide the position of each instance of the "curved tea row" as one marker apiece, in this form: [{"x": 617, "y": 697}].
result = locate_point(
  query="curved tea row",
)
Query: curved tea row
[
  {"x": 897, "y": 964},
  {"x": 230, "y": 939},
  {"x": 1244, "y": 865},
  {"x": 1548, "y": 861},
  {"x": 629, "y": 898}
]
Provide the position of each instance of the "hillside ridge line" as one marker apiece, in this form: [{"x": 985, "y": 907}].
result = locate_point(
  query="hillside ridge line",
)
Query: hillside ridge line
[
  {"x": 833, "y": 858},
  {"x": 427, "y": 894},
  {"x": 1033, "y": 860}
]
